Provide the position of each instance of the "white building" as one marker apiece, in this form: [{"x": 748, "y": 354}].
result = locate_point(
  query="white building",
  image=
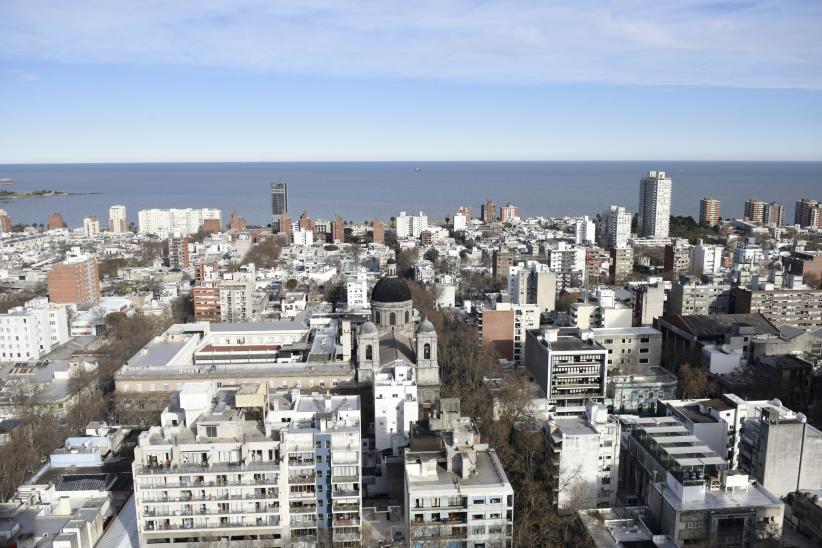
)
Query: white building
[
  {"x": 91, "y": 226},
  {"x": 460, "y": 222},
  {"x": 236, "y": 297},
  {"x": 531, "y": 282},
  {"x": 396, "y": 407},
  {"x": 117, "y": 221},
  {"x": 460, "y": 491},
  {"x": 411, "y": 226},
  {"x": 584, "y": 455},
  {"x": 244, "y": 465},
  {"x": 617, "y": 226},
  {"x": 654, "y": 205},
  {"x": 302, "y": 237},
  {"x": 293, "y": 303},
  {"x": 33, "y": 330},
  {"x": 706, "y": 259},
  {"x": 356, "y": 289},
  {"x": 584, "y": 231},
  {"x": 164, "y": 222}
]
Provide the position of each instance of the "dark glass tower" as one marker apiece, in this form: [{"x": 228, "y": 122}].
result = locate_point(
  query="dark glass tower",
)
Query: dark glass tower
[{"x": 279, "y": 204}]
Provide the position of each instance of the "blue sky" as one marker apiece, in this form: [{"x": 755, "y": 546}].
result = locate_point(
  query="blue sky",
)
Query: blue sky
[{"x": 250, "y": 80}]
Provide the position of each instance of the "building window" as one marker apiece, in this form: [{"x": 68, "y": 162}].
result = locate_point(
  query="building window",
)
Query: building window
[
  {"x": 377, "y": 316},
  {"x": 369, "y": 352},
  {"x": 407, "y": 316},
  {"x": 426, "y": 351},
  {"x": 392, "y": 318}
]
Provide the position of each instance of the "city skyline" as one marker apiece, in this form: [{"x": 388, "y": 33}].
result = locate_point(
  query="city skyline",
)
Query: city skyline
[{"x": 241, "y": 82}]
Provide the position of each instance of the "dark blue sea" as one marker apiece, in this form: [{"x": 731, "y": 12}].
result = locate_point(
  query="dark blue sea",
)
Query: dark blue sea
[{"x": 364, "y": 190}]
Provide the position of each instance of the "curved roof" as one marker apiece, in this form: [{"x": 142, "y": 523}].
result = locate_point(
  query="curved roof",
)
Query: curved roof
[
  {"x": 391, "y": 289},
  {"x": 427, "y": 327}
]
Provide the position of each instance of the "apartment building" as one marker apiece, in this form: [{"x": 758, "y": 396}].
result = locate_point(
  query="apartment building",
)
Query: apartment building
[
  {"x": 164, "y": 222},
  {"x": 773, "y": 214},
  {"x": 617, "y": 226},
  {"x": 503, "y": 325},
  {"x": 236, "y": 297},
  {"x": 242, "y": 465},
  {"x": 584, "y": 231},
  {"x": 709, "y": 211},
  {"x": 356, "y": 290},
  {"x": 808, "y": 213},
  {"x": 622, "y": 264},
  {"x": 800, "y": 308},
  {"x": 5, "y": 222},
  {"x": 648, "y": 303},
  {"x": 508, "y": 213},
  {"x": 396, "y": 406},
  {"x": 807, "y": 264},
  {"x": 488, "y": 213},
  {"x": 117, "y": 221},
  {"x": 33, "y": 330},
  {"x": 694, "y": 496},
  {"x": 706, "y": 259},
  {"x": 206, "y": 299},
  {"x": 677, "y": 259},
  {"x": 456, "y": 490},
  {"x": 584, "y": 456},
  {"x": 569, "y": 366},
  {"x": 178, "y": 252},
  {"x": 629, "y": 348},
  {"x": 602, "y": 311},
  {"x": 753, "y": 211},
  {"x": 411, "y": 226},
  {"x": 568, "y": 263},
  {"x": 654, "y": 214},
  {"x": 531, "y": 282},
  {"x": 91, "y": 226},
  {"x": 690, "y": 296},
  {"x": 75, "y": 281}
]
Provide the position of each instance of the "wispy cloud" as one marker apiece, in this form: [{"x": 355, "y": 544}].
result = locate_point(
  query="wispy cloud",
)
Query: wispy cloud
[
  {"x": 757, "y": 43},
  {"x": 23, "y": 75}
]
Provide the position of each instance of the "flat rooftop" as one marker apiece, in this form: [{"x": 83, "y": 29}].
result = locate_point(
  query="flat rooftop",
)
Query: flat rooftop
[{"x": 489, "y": 473}]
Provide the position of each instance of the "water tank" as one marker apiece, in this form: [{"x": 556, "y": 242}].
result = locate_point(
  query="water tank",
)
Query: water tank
[
  {"x": 801, "y": 417},
  {"x": 776, "y": 403}
]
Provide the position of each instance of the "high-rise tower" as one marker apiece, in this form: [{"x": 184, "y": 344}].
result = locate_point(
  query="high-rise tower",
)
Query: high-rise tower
[
  {"x": 279, "y": 204},
  {"x": 654, "y": 205}
]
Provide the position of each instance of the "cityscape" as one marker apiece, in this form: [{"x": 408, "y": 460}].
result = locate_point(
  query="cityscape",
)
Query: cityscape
[{"x": 411, "y": 275}]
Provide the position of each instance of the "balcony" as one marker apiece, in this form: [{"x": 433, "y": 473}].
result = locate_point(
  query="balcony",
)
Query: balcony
[
  {"x": 210, "y": 512},
  {"x": 346, "y": 507},
  {"x": 210, "y": 498},
  {"x": 346, "y": 537},
  {"x": 345, "y": 479},
  {"x": 345, "y": 493},
  {"x": 216, "y": 468},
  {"x": 302, "y": 508},
  {"x": 305, "y": 477},
  {"x": 353, "y": 521},
  {"x": 271, "y": 521}
]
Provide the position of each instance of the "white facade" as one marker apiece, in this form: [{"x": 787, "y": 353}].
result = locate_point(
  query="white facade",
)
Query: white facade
[
  {"x": 236, "y": 298},
  {"x": 654, "y": 205},
  {"x": 460, "y": 222},
  {"x": 302, "y": 237},
  {"x": 31, "y": 331},
  {"x": 246, "y": 465},
  {"x": 396, "y": 407},
  {"x": 117, "y": 222},
  {"x": 411, "y": 226},
  {"x": 618, "y": 226},
  {"x": 91, "y": 226},
  {"x": 584, "y": 231},
  {"x": 164, "y": 222},
  {"x": 706, "y": 259},
  {"x": 356, "y": 289},
  {"x": 584, "y": 453}
]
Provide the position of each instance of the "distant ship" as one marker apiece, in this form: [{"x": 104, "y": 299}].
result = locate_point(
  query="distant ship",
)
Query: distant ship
[
  {"x": 6, "y": 181},
  {"x": 418, "y": 169}
]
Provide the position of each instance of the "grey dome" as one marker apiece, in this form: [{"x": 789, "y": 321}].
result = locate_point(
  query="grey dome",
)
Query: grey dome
[
  {"x": 391, "y": 289},
  {"x": 427, "y": 327},
  {"x": 368, "y": 328}
]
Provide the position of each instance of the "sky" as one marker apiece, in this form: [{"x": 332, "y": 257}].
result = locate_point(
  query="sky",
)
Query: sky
[{"x": 312, "y": 80}]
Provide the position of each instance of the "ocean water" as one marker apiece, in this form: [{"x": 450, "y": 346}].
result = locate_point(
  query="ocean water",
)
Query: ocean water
[{"x": 365, "y": 190}]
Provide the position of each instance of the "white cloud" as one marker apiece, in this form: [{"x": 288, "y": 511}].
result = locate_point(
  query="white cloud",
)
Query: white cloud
[
  {"x": 762, "y": 43},
  {"x": 24, "y": 76}
]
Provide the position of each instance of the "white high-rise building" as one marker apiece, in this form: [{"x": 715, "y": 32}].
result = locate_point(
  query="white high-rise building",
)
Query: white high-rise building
[
  {"x": 618, "y": 226},
  {"x": 411, "y": 226},
  {"x": 396, "y": 407},
  {"x": 706, "y": 259},
  {"x": 460, "y": 222},
  {"x": 91, "y": 226},
  {"x": 33, "y": 330},
  {"x": 531, "y": 282},
  {"x": 242, "y": 464},
  {"x": 236, "y": 297},
  {"x": 164, "y": 222},
  {"x": 117, "y": 222},
  {"x": 356, "y": 287},
  {"x": 302, "y": 237},
  {"x": 654, "y": 205},
  {"x": 584, "y": 231}
]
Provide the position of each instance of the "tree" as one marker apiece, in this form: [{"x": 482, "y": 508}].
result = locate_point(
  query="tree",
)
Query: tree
[
  {"x": 432, "y": 255},
  {"x": 695, "y": 382},
  {"x": 291, "y": 284},
  {"x": 265, "y": 254}
]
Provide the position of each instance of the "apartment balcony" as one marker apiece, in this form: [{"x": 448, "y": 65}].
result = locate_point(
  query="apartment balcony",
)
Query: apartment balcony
[
  {"x": 305, "y": 477},
  {"x": 300, "y": 462},
  {"x": 346, "y": 507},
  {"x": 217, "y": 484},
  {"x": 160, "y": 513},
  {"x": 216, "y": 468},
  {"x": 346, "y": 521},
  {"x": 336, "y": 478},
  {"x": 345, "y": 493},
  {"x": 301, "y": 495},
  {"x": 189, "y": 525},
  {"x": 210, "y": 498},
  {"x": 303, "y": 520},
  {"x": 302, "y": 508},
  {"x": 346, "y": 536}
]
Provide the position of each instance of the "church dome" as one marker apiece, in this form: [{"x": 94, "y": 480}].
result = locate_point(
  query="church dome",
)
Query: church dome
[
  {"x": 368, "y": 328},
  {"x": 427, "y": 327},
  {"x": 391, "y": 289}
]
